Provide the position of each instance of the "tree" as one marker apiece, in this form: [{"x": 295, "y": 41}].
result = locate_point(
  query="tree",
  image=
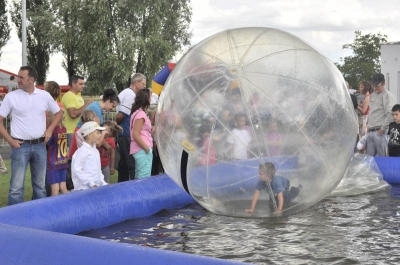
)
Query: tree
[
  {"x": 4, "y": 27},
  {"x": 108, "y": 40},
  {"x": 163, "y": 32},
  {"x": 37, "y": 42},
  {"x": 107, "y": 43},
  {"x": 365, "y": 60},
  {"x": 65, "y": 34}
]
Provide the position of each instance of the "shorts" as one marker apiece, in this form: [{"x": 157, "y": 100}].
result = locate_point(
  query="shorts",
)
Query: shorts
[
  {"x": 288, "y": 196},
  {"x": 143, "y": 163},
  {"x": 56, "y": 176}
]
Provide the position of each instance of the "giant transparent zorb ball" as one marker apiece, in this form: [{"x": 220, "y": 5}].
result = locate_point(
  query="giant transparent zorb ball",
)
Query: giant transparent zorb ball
[{"x": 250, "y": 95}]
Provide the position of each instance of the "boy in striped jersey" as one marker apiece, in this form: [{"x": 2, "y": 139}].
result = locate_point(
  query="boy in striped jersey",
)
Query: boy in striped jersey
[{"x": 57, "y": 159}]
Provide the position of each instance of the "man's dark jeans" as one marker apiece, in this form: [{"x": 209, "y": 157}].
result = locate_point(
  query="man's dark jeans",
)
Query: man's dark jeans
[{"x": 126, "y": 165}]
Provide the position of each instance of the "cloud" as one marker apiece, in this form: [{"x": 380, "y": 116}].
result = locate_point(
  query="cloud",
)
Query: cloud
[{"x": 326, "y": 25}]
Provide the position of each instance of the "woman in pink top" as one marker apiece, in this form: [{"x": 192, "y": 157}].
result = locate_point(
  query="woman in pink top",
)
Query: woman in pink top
[
  {"x": 365, "y": 88},
  {"x": 141, "y": 139}
]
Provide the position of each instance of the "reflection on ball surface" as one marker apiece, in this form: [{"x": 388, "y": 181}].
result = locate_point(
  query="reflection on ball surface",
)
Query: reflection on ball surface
[{"x": 250, "y": 95}]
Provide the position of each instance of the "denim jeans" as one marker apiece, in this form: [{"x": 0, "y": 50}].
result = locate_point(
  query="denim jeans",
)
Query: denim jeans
[
  {"x": 36, "y": 156},
  {"x": 126, "y": 165},
  {"x": 376, "y": 144}
]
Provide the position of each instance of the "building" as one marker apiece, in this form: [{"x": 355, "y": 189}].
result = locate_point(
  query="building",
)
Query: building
[
  {"x": 5, "y": 78},
  {"x": 390, "y": 67}
]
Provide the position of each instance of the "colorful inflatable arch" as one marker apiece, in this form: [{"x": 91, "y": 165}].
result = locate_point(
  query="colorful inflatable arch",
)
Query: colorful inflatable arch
[{"x": 159, "y": 80}]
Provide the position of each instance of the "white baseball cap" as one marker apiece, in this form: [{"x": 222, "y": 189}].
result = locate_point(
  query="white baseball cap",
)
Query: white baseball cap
[{"x": 89, "y": 127}]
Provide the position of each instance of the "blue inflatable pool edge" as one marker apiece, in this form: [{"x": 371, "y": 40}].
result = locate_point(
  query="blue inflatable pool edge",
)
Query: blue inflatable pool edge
[
  {"x": 42, "y": 231},
  {"x": 20, "y": 245},
  {"x": 390, "y": 168},
  {"x": 37, "y": 232}
]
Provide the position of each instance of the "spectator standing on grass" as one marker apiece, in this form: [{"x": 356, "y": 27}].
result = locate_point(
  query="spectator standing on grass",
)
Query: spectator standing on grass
[
  {"x": 107, "y": 155},
  {"x": 86, "y": 166},
  {"x": 126, "y": 165},
  {"x": 141, "y": 139},
  {"x": 57, "y": 159},
  {"x": 54, "y": 90},
  {"x": 74, "y": 105},
  {"x": 77, "y": 138},
  {"x": 107, "y": 103},
  {"x": 29, "y": 135}
]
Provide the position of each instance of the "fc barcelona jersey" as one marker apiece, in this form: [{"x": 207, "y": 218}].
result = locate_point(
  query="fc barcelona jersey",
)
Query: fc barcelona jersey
[{"x": 57, "y": 157}]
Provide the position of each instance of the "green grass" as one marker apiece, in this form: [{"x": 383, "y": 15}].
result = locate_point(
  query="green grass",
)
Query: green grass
[{"x": 5, "y": 184}]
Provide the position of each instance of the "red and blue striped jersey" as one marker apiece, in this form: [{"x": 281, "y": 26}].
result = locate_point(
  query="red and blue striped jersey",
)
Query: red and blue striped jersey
[{"x": 57, "y": 157}]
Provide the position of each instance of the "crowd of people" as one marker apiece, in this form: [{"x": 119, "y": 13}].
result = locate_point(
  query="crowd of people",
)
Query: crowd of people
[
  {"x": 379, "y": 118},
  {"x": 68, "y": 145}
]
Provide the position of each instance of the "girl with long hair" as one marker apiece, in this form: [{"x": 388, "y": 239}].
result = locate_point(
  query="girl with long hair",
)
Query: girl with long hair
[{"x": 141, "y": 130}]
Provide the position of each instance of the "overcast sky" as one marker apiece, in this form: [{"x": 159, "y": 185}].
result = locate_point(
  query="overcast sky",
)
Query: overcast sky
[{"x": 327, "y": 25}]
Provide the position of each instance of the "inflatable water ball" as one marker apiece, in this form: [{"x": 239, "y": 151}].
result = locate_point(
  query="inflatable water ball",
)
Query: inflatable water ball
[
  {"x": 362, "y": 176},
  {"x": 246, "y": 96}
]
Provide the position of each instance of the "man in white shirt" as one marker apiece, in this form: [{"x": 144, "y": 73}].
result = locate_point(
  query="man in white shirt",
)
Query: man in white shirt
[
  {"x": 154, "y": 97},
  {"x": 126, "y": 165},
  {"x": 29, "y": 135}
]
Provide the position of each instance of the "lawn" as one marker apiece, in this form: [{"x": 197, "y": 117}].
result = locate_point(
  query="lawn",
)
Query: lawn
[{"x": 5, "y": 184}]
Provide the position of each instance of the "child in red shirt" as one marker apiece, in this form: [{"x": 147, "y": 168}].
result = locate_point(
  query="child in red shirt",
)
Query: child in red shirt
[{"x": 107, "y": 153}]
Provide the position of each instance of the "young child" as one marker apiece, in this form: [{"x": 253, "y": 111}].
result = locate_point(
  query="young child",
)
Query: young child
[
  {"x": 280, "y": 186},
  {"x": 86, "y": 168},
  {"x": 76, "y": 142},
  {"x": 273, "y": 139},
  {"x": 77, "y": 139},
  {"x": 107, "y": 155},
  {"x": 394, "y": 132},
  {"x": 207, "y": 149},
  {"x": 57, "y": 160},
  {"x": 240, "y": 138}
]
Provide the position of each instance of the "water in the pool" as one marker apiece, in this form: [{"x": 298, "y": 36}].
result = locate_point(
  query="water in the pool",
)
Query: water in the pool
[{"x": 361, "y": 229}]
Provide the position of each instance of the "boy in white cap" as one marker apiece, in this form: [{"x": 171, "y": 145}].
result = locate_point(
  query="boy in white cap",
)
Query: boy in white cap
[{"x": 86, "y": 167}]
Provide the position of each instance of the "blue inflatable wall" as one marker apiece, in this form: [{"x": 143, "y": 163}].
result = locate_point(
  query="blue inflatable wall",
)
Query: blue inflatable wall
[
  {"x": 23, "y": 241},
  {"x": 37, "y": 232},
  {"x": 390, "y": 168}
]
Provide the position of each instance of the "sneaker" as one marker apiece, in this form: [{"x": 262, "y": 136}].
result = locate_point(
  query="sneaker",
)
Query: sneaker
[
  {"x": 3, "y": 169},
  {"x": 361, "y": 144}
]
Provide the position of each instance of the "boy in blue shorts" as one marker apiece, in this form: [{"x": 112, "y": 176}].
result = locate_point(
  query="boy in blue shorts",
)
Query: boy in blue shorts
[{"x": 280, "y": 186}]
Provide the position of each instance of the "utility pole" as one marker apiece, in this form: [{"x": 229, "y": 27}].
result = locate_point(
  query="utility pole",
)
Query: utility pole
[{"x": 24, "y": 57}]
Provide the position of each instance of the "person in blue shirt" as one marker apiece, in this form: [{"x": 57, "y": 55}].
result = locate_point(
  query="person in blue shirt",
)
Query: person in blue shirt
[
  {"x": 280, "y": 187},
  {"x": 108, "y": 101}
]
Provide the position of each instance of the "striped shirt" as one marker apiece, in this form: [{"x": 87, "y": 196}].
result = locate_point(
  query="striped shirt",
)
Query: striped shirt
[{"x": 57, "y": 157}]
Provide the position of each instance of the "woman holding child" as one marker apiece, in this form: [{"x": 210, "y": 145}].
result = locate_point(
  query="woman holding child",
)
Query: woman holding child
[
  {"x": 365, "y": 89},
  {"x": 141, "y": 130},
  {"x": 109, "y": 100},
  {"x": 107, "y": 103}
]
